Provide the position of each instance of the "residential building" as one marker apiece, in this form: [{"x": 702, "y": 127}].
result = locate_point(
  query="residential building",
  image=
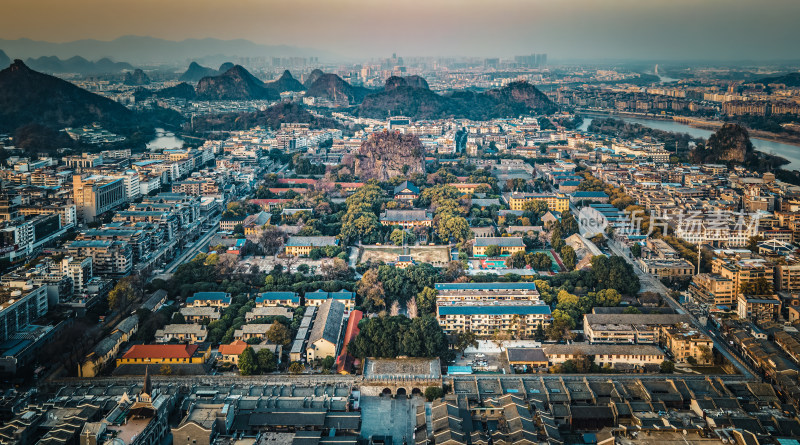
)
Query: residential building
[
  {"x": 165, "y": 354},
  {"x": 628, "y": 328},
  {"x": 486, "y": 318},
  {"x": 620, "y": 357},
  {"x": 713, "y": 289},
  {"x": 758, "y": 308},
  {"x": 278, "y": 299},
  {"x": 95, "y": 195},
  {"x": 324, "y": 337},
  {"x": 508, "y": 245},
  {"x": 108, "y": 348},
  {"x": 249, "y": 331},
  {"x": 268, "y": 311},
  {"x": 407, "y": 218},
  {"x": 182, "y": 333},
  {"x": 485, "y": 292},
  {"x": 302, "y": 245},
  {"x": 558, "y": 202},
  {"x": 687, "y": 344},
  {"x": 198, "y": 314},
  {"x": 319, "y": 297},
  {"x": 215, "y": 299}
]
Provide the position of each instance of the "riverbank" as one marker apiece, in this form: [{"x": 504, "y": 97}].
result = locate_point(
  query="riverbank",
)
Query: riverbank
[{"x": 700, "y": 124}]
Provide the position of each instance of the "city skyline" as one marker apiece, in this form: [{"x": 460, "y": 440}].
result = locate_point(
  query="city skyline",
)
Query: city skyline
[{"x": 715, "y": 30}]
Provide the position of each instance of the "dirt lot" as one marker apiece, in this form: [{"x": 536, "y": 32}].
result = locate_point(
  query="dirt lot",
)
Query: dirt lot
[
  {"x": 436, "y": 255},
  {"x": 265, "y": 264}
]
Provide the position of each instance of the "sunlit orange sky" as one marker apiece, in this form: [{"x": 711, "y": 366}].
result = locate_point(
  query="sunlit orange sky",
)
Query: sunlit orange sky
[{"x": 719, "y": 29}]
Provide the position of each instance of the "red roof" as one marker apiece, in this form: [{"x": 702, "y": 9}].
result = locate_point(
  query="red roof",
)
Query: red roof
[
  {"x": 297, "y": 181},
  {"x": 345, "y": 360},
  {"x": 280, "y": 190},
  {"x": 235, "y": 348},
  {"x": 269, "y": 201},
  {"x": 347, "y": 185},
  {"x": 161, "y": 351}
]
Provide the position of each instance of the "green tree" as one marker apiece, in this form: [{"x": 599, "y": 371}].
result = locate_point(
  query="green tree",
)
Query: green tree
[
  {"x": 631, "y": 310},
  {"x": 371, "y": 291},
  {"x": 568, "y": 257},
  {"x": 667, "y": 367},
  {"x": 177, "y": 318},
  {"x": 267, "y": 362},
  {"x": 248, "y": 364},
  {"x": 636, "y": 250},
  {"x": 121, "y": 295},
  {"x": 399, "y": 236},
  {"x": 464, "y": 340},
  {"x": 516, "y": 260},
  {"x": 328, "y": 362},
  {"x": 279, "y": 334},
  {"x": 434, "y": 392},
  {"x": 296, "y": 368},
  {"x": 165, "y": 370},
  {"x": 560, "y": 326},
  {"x": 556, "y": 240},
  {"x": 426, "y": 301},
  {"x": 455, "y": 227},
  {"x": 493, "y": 250},
  {"x": 608, "y": 298}
]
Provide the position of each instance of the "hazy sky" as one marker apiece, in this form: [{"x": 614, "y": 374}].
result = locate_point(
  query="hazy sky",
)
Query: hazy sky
[{"x": 589, "y": 29}]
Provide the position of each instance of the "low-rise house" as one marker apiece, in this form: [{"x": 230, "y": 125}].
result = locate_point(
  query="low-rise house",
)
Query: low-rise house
[
  {"x": 317, "y": 298},
  {"x": 302, "y": 245},
  {"x": 197, "y": 314},
  {"x": 268, "y": 311},
  {"x": 217, "y": 299},
  {"x": 191, "y": 333},
  {"x": 623, "y": 357},
  {"x": 507, "y": 244},
  {"x": 406, "y": 191},
  {"x": 108, "y": 348},
  {"x": 165, "y": 354},
  {"x": 323, "y": 340},
  {"x": 407, "y": 218},
  {"x": 248, "y": 331},
  {"x": 278, "y": 299}
]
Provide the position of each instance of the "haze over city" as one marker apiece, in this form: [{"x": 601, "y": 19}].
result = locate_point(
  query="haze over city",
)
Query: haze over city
[{"x": 570, "y": 29}]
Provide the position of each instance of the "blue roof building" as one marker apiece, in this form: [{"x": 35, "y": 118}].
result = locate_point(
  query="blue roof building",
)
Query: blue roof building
[{"x": 219, "y": 299}]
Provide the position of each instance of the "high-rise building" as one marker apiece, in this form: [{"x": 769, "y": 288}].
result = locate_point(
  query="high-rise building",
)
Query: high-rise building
[{"x": 97, "y": 194}]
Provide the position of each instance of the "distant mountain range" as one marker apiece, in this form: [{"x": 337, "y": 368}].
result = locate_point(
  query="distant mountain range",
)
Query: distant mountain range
[
  {"x": 332, "y": 87},
  {"x": 790, "y": 80},
  {"x": 411, "y": 97},
  {"x": 137, "y": 77},
  {"x": 141, "y": 50},
  {"x": 195, "y": 72},
  {"x": 76, "y": 64},
  {"x": 272, "y": 117}
]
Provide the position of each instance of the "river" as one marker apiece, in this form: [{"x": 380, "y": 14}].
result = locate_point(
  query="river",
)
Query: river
[
  {"x": 787, "y": 151},
  {"x": 164, "y": 140}
]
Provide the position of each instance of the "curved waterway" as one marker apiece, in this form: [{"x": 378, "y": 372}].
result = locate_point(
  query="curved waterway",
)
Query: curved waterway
[{"x": 787, "y": 151}]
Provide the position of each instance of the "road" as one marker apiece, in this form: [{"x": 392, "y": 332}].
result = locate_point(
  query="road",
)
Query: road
[
  {"x": 652, "y": 283},
  {"x": 190, "y": 253}
]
